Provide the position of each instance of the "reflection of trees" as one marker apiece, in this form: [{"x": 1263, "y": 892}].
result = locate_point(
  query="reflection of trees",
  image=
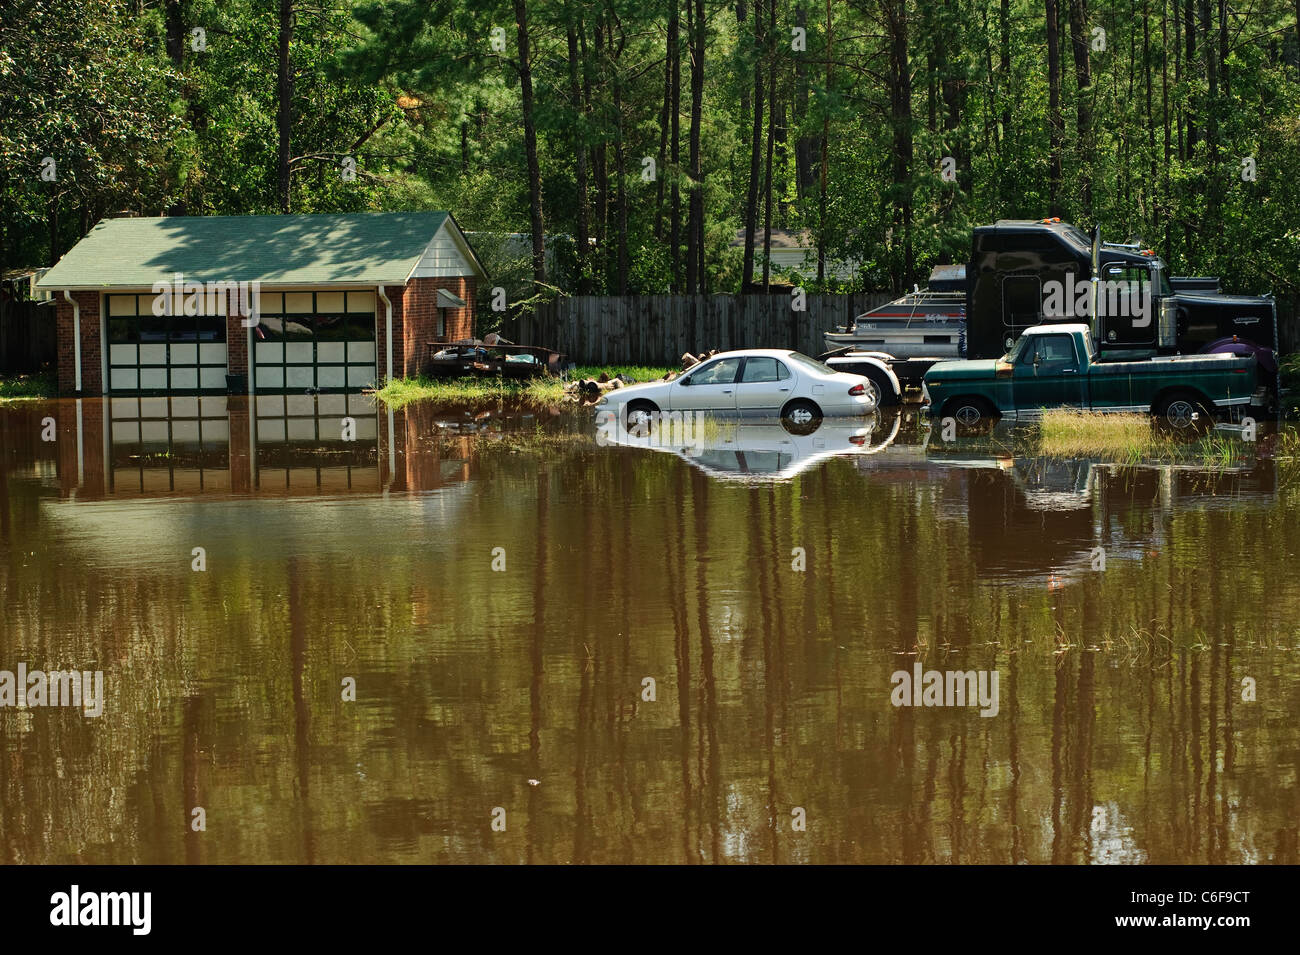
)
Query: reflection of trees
[{"x": 1123, "y": 737}]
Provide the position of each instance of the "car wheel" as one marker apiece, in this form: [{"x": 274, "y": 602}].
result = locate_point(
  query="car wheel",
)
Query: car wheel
[
  {"x": 639, "y": 417},
  {"x": 1183, "y": 411},
  {"x": 970, "y": 413},
  {"x": 801, "y": 416}
]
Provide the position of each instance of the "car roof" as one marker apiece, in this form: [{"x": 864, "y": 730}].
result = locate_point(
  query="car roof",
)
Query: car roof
[{"x": 754, "y": 353}]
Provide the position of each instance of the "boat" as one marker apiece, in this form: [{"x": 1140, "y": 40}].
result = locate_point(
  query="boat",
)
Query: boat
[{"x": 924, "y": 323}]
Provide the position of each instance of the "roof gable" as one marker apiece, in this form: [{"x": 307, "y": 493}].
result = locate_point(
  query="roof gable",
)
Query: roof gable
[{"x": 375, "y": 248}]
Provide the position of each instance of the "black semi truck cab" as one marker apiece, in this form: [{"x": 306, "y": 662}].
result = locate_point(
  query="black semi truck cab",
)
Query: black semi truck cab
[{"x": 1027, "y": 272}]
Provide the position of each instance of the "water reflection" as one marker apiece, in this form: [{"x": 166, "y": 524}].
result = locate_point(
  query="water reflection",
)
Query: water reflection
[{"x": 1122, "y": 734}]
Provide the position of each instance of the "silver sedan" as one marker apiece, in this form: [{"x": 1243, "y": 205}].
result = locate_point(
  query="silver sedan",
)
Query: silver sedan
[{"x": 754, "y": 382}]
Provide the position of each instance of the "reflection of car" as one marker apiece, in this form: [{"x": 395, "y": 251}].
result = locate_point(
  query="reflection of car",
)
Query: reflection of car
[
  {"x": 752, "y": 452},
  {"x": 759, "y": 382}
]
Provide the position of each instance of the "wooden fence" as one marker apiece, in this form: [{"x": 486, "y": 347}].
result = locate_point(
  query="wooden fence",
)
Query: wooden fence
[
  {"x": 657, "y": 329},
  {"x": 27, "y": 338}
]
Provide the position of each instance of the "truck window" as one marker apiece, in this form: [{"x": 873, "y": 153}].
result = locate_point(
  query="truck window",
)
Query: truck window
[
  {"x": 1051, "y": 352},
  {"x": 1022, "y": 300}
]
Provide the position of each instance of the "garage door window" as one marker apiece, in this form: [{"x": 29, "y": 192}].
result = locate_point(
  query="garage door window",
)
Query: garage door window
[
  {"x": 150, "y": 353},
  {"x": 318, "y": 340}
]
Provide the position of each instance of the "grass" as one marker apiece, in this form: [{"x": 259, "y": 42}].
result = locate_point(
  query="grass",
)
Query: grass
[
  {"x": 478, "y": 391},
  {"x": 20, "y": 387},
  {"x": 1130, "y": 439}
]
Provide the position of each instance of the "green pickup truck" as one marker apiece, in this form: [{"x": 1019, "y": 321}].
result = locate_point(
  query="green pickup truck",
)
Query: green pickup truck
[{"x": 1054, "y": 366}]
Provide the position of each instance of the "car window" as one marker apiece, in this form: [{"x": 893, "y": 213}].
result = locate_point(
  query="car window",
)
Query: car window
[
  {"x": 763, "y": 369},
  {"x": 720, "y": 372},
  {"x": 810, "y": 363}
]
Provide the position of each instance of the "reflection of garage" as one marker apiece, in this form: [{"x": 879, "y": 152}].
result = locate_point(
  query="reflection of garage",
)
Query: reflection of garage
[{"x": 344, "y": 302}]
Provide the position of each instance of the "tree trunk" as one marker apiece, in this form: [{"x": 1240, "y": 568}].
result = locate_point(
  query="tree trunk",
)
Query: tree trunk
[
  {"x": 530, "y": 147},
  {"x": 620, "y": 163},
  {"x": 675, "y": 223},
  {"x": 284, "y": 92},
  {"x": 755, "y": 151},
  {"x": 1054, "y": 123},
  {"x": 771, "y": 148},
  {"x": 901, "y": 115},
  {"x": 695, "y": 281},
  {"x": 826, "y": 142},
  {"x": 1079, "y": 36},
  {"x": 1189, "y": 32},
  {"x": 582, "y": 249}
]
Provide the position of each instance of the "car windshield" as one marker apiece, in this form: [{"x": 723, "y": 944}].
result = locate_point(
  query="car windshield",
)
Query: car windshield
[{"x": 810, "y": 363}]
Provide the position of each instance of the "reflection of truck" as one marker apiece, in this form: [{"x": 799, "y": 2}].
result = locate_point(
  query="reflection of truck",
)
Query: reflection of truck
[
  {"x": 1057, "y": 365},
  {"x": 1025, "y": 273}
]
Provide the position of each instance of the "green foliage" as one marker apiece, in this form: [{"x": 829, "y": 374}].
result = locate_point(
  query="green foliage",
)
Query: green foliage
[{"x": 427, "y": 99}]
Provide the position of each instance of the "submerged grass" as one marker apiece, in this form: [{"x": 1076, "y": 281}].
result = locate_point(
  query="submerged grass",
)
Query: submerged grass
[
  {"x": 474, "y": 391},
  {"x": 1131, "y": 439}
]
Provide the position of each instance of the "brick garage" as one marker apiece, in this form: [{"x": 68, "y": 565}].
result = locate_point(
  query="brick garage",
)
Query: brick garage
[{"x": 330, "y": 287}]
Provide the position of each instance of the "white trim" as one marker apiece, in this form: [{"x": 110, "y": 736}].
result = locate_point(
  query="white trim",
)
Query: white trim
[
  {"x": 76, "y": 339},
  {"x": 388, "y": 333}
]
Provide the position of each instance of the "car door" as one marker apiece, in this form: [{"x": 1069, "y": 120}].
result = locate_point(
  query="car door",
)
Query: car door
[
  {"x": 1046, "y": 373},
  {"x": 712, "y": 387},
  {"x": 764, "y": 386}
]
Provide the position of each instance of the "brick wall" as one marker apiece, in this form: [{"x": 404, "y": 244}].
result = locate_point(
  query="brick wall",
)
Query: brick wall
[
  {"x": 91, "y": 374},
  {"x": 415, "y": 321},
  {"x": 420, "y": 318},
  {"x": 236, "y": 345}
]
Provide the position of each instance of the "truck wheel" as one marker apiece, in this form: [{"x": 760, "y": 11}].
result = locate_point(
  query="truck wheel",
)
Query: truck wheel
[
  {"x": 1183, "y": 410},
  {"x": 801, "y": 416},
  {"x": 969, "y": 413}
]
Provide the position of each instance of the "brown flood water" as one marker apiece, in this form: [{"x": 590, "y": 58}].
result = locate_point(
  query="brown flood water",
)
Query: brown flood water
[{"x": 1121, "y": 732}]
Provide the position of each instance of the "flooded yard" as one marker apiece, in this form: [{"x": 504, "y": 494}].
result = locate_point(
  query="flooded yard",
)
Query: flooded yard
[{"x": 436, "y": 638}]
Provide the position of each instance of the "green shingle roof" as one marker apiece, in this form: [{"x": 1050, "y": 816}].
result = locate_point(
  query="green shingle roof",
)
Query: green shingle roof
[{"x": 373, "y": 248}]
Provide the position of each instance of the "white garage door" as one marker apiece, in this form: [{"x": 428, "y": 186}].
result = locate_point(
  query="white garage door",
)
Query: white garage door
[
  {"x": 315, "y": 340},
  {"x": 153, "y": 354}
]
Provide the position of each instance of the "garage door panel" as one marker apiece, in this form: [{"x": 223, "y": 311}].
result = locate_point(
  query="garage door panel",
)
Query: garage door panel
[
  {"x": 153, "y": 354},
  {"x": 361, "y": 353},
  {"x": 185, "y": 379},
  {"x": 211, "y": 379},
  {"x": 299, "y": 376},
  {"x": 210, "y": 354},
  {"x": 270, "y": 377},
  {"x": 299, "y": 353},
  {"x": 184, "y": 354},
  {"x": 331, "y": 376},
  {"x": 331, "y": 352},
  {"x": 360, "y": 376},
  {"x": 124, "y": 379}
]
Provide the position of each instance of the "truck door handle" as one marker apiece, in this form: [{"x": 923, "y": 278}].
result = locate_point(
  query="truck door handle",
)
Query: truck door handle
[
  {"x": 726, "y": 391},
  {"x": 1069, "y": 371},
  {"x": 783, "y": 389}
]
